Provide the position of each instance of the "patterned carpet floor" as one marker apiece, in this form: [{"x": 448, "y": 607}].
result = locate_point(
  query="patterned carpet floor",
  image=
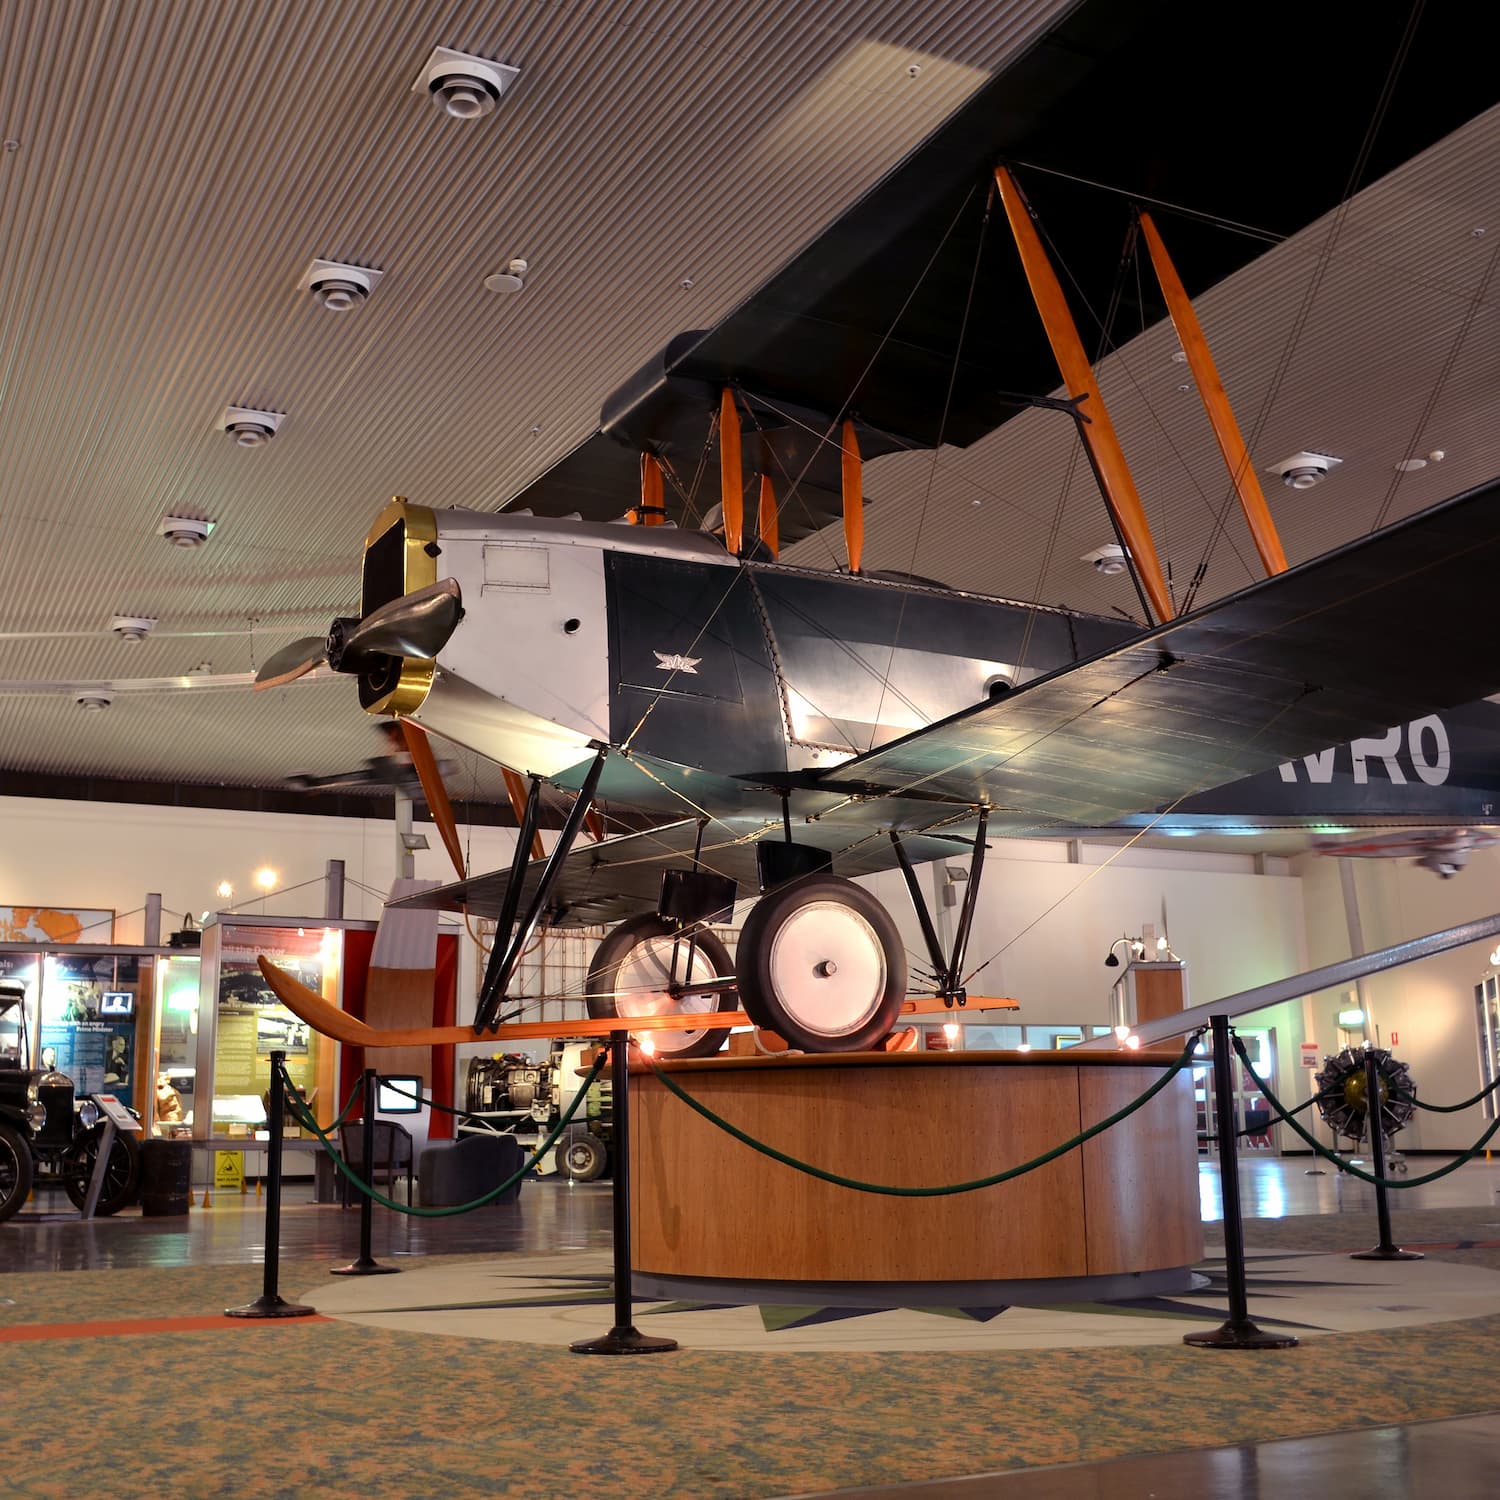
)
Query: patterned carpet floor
[{"x": 188, "y": 1405}]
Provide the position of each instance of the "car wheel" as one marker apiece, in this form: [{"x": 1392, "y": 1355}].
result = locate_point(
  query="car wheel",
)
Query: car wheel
[
  {"x": 15, "y": 1171},
  {"x": 821, "y": 964},
  {"x": 581, "y": 1156},
  {"x": 631, "y": 976},
  {"x": 121, "y": 1175}
]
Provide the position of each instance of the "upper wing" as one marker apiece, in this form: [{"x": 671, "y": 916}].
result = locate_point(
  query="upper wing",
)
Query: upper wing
[
  {"x": 866, "y": 319},
  {"x": 603, "y": 883},
  {"x": 1378, "y": 632}
]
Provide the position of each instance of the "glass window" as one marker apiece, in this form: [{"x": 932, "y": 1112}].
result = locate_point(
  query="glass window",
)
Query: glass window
[
  {"x": 1487, "y": 1008},
  {"x": 171, "y": 1104}
]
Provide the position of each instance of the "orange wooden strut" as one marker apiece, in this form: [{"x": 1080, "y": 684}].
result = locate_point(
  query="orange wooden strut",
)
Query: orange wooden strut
[
  {"x": 854, "y": 495},
  {"x": 1216, "y": 404},
  {"x": 1120, "y": 493},
  {"x": 731, "y": 473},
  {"x": 426, "y": 767},
  {"x": 515, "y": 789},
  {"x": 770, "y": 529},
  {"x": 652, "y": 511}
]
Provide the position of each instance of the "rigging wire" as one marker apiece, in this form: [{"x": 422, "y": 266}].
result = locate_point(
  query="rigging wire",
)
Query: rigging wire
[
  {"x": 1476, "y": 302},
  {"x": 942, "y": 428},
  {"x": 1320, "y": 271}
]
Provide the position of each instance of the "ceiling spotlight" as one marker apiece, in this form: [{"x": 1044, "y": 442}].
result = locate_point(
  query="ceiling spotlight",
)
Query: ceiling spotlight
[
  {"x": 94, "y": 700},
  {"x": 184, "y": 531},
  {"x": 508, "y": 280},
  {"x": 250, "y": 428},
  {"x": 337, "y": 286},
  {"x": 1108, "y": 559},
  {"x": 223, "y": 890},
  {"x": 132, "y": 629},
  {"x": 265, "y": 878},
  {"x": 1303, "y": 470},
  {"x": 462, "y": 85}
]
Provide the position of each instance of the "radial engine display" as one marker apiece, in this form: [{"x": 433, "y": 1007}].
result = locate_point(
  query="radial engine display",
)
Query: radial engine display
[{"x": 1342, "y": 1094}]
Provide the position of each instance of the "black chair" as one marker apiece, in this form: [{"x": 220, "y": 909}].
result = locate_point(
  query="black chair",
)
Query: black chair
[
  {"x": 393, "y": 1155},
  {"x": 1258, "y": 1127}
]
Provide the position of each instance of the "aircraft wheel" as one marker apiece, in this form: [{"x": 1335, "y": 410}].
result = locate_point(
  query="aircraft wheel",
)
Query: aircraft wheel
[
  {"x": 631, "y": 974},
  {"x": 821, "y": 964},
  {"x": 15, "y": 1171}
]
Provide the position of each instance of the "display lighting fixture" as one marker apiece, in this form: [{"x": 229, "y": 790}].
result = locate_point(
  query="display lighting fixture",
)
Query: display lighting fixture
[
  {"x": 1023, "y": 1047},
  {"x": 1133, "y": 1042},
  {"x": 950, "y": 1030},
  {"x": 1121, "y": 1032},
  {"x": 224, "y": 891},
  {"x": 1495, "y": 957},
  {"x": 648, "y": 1045},
  {"x": 1137, "y": 950},
  {"x": 265, "y": 878}
]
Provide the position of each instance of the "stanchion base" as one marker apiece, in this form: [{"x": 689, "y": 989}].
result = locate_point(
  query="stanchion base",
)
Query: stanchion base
[
  {"x": 1387, "y": 1252},
  {"x": 364, "y": 1267},
  {"x": 270, "y": 1307},
  {"x": 624, "y": 1341},
  {"x": 1315, "y": 1172},
  {"x": 1239, "y": 1334}
]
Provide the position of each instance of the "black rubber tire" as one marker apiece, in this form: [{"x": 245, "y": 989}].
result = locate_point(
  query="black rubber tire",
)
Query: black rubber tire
[
  {"x": 760, "y": 993},
  {"x": 615, "y": 950},
  {"x": 581, "y": 1156},
  {"x": 122, "y": 1178},
  {"x": 15, "y": 1171}
]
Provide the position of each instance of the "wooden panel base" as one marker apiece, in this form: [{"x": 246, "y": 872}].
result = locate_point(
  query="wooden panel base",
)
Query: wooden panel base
[{"x": 704, "y": 1206}]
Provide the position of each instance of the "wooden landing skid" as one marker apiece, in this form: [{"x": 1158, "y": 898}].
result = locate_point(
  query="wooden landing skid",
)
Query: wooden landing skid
[{"x": 328, "y": 1020}]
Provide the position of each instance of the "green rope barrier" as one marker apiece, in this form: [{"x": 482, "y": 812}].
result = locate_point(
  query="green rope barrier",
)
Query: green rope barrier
[
  {"x": 1447, "y": 1109},
  {"x": 343, "y": 1114},
  {"x": 307, "y": 1121},
  {"x": 934, "y": 1192},
  {"x": 1342, "y": 1162}
]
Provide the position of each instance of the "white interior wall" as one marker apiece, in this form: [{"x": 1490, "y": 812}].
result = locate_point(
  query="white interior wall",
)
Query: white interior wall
[{"x": 1428, "y": 1006}]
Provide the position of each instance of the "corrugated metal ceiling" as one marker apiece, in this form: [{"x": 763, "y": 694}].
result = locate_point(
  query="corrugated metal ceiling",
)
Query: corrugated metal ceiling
[{"x": 178, "y": 167}]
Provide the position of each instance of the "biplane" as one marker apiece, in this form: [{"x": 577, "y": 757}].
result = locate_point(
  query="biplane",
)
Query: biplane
[{"x": 616, "y": 635}]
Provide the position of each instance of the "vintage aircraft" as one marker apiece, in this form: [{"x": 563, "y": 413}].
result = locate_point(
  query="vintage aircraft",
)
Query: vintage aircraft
[{"x": 801, "y": 727}]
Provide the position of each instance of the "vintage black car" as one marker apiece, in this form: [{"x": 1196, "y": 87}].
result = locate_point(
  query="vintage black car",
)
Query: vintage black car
[{"x": 47, "y": 1136}]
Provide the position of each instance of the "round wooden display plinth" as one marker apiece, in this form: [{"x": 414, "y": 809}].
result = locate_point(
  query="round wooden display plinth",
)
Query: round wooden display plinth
[{"x": 1116, "y": 1217}]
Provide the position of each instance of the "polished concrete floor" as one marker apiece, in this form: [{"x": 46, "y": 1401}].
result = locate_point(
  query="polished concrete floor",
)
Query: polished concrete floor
[{"x": 1457, "y": 1460}]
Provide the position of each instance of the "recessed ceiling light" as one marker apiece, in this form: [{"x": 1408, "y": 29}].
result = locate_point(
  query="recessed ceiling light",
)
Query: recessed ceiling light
[
  {"x": 132, "y": 629},
  {"x": 1409, "y": 465},
  {"x": 184, "y": 531},
  {"x": 1108, "y": 559},
  {"x": 249, "y": 427},
  {"x": 1180, "y": 357},
  {"x": 94, "y": 700},
  {"x": 462, "y": 85},
  {"x": 338, "y": 286}
]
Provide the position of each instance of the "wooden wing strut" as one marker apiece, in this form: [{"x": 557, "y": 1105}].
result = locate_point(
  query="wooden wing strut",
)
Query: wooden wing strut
[
  {"x": 854, "y": 496},
  {"x": 1067, "y": 348},
  {"x": 770, "y": 532},
  {"x": 1216, "y": 404},
  {"x": 731, "y": 473},
  {"x": 426, "y": 767},
  {"x": 515, "y": 789}
]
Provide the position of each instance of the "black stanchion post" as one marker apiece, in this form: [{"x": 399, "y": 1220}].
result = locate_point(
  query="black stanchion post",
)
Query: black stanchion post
[
  {"x": 270, "y": 1303},
  {"x": 1237, "y": 1331},
  {"x": 367, "y": 1265},
  {"x": 1387, "y": 1249},
  {"x": 623, "y": 1338}
]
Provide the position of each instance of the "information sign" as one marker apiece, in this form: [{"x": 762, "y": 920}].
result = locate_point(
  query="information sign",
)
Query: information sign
[
  {"x": 229, "y": 1170},
  {"x": 114, "y": 1110},
  {"x": 1309, "y": 1054}
]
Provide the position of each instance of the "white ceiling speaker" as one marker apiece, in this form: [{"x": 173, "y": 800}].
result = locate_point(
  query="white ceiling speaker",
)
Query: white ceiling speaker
[
  {"x": 132, "y": 629},
  {"x": 1303, "y": 470},
  {"x": 1108, "y": 559},
  {"x": 462, "y": 85},
  {"x": 248, "y": 427},
  {"x": 94, "y": 700},
  {"x": 337, "y": 285},
  {"x": 508, "y": 280},
  {"x": 184, "y": 531}
]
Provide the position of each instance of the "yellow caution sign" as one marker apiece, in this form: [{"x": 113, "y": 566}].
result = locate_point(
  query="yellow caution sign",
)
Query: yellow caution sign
[{"x": 229, "y": 1170}]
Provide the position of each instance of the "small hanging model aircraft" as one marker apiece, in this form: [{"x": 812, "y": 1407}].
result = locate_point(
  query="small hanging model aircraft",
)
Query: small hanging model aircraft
[{"x": 797, "y": 728}]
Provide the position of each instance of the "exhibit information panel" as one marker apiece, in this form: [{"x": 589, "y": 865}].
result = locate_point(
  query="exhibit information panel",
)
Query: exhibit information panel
[
  {"x": 175, "y": 1093},
  {"x": 250, "y": 1022},
  {"x": 88, "y": 1020}
]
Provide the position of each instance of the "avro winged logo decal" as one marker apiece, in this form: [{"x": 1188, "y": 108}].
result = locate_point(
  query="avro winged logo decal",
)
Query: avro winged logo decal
[{"x": 673, "y": 662}]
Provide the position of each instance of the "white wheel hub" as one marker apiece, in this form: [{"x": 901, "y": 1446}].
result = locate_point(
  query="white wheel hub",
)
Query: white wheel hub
[
  {"x": 641, "y": 986},
  {"x": 827, "y": 968}
]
